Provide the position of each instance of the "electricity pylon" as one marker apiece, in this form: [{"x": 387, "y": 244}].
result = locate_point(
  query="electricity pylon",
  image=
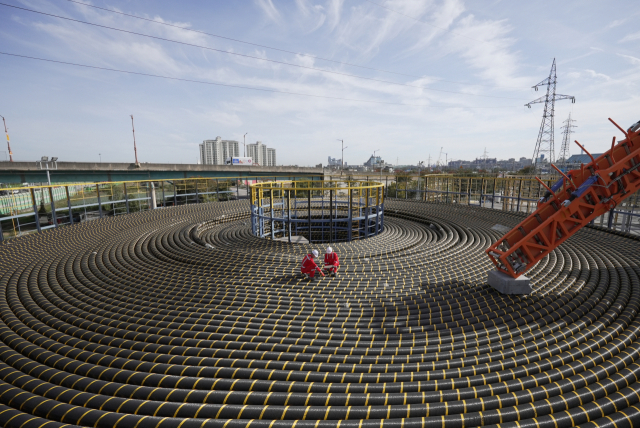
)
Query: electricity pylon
[
  {"x": 566, "y": 142},
  {"x": 545, "y": 136}
]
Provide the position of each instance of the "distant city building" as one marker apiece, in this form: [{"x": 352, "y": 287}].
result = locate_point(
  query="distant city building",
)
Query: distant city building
[
  {"x": 374, "y": 161},
  {"x": 575, "y": 161},
  {"x": 582, "y": 158},
  {"x": 460, "y": 164},
  {"x": 261, "y": 154},
  {"x": 334, "y": 162},
  {"x": 216, "y": 152},
  {"x": 490, "y": 163}
]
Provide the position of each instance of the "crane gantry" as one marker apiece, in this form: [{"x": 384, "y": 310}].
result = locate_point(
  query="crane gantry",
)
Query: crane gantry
[{"x": 577, "y": 198}]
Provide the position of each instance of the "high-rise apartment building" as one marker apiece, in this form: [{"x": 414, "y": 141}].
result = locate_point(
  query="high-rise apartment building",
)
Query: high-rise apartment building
[
  {"x": 216, "y": 152},
  {"x": 261, "y": 154},
  {"x": 271, "y": 157}
]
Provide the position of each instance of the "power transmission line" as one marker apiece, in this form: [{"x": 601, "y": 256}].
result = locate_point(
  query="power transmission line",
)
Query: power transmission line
[
  {"x": 251, "y": 56},
  {"x": 284, "y": 50},
  {"x": 238, "y": 86}
]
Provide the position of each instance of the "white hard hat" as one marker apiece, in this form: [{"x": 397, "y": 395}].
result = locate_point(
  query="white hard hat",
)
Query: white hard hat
[
  {"x": 315, "y": 253},
  {"x": 329, "y": 250}
]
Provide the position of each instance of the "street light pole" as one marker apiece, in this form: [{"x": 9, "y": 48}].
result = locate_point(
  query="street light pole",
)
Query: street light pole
[
  {"x": 244, "y": 144},
  {"x": 8, "y": 143},
  {"x": 342, "y": 159},
  {"x": 135, "y": 149},
  {"x": 420, "y": 165}
]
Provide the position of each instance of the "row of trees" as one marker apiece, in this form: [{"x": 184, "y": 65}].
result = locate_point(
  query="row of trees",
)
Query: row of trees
[{"x": 404, "y": 175}]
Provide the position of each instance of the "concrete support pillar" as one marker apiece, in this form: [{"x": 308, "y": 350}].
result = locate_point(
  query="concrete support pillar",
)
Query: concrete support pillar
[{"x": 152, "y": 190}]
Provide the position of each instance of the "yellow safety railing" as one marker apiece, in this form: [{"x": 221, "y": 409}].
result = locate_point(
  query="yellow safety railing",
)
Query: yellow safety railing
[
  {"x": 318, "y": 211},
  {"x": 317, "y": 187}
]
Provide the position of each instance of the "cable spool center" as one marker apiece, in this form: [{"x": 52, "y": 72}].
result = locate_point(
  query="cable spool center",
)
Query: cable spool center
[{"x": 317, "y": 211}]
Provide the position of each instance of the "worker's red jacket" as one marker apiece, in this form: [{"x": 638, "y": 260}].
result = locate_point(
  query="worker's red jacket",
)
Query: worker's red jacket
[
  {"x": 308, "y": 264},
  {"x": 331, "y": 259}
]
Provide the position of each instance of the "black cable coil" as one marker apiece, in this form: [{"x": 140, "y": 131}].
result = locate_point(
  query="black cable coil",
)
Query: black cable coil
[{"x": 181, "y": 318}]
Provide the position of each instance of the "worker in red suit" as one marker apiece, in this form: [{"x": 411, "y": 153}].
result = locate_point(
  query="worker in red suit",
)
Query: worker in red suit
[
  {"x": 309, "y": 266},
  {"x": 331, "y": 262}
]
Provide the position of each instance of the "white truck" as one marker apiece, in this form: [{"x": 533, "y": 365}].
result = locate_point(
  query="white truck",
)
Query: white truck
[{"x": 244, "y": 161}]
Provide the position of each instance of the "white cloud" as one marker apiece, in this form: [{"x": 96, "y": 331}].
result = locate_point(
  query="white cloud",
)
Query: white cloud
[
  {"x": 631, "y": 59},
  {"x": 587, "y": 74},
  {"x": 173, "y": 30},
  {"x": 594, "y": 74},
  {"x": 630, "y": 37},
  {"x": 367, "y": 28},
  {"x": 443, "y": 19},
  {"x": 312, "y": 16},
  {"x": 592, "y": 51},
  {"x": 616, "y": 23},
  {"x": 493, "y": 57},
  {"x": 269, "y": 9},
  {"x": 334, "y": 12},
  {"x": 149, "y": 56},
  {"x": 224, "y": 118},
  {"x": 466, "y": 46},
  {"x": 304, "y": 6}
]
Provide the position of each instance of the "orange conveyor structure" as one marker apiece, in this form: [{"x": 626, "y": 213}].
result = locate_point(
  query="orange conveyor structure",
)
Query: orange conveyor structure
[{"x": 577, "y": 198}]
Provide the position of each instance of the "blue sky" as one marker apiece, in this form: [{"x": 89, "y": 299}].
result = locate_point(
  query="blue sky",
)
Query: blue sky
[{"x": 443, "y": 73}]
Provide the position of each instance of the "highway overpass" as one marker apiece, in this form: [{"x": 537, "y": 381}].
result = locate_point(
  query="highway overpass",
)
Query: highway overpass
[{"x": 79, "y": 172}]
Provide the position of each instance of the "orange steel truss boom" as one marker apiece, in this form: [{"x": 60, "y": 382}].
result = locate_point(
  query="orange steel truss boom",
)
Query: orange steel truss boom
[{"x": 571, "y": 203}]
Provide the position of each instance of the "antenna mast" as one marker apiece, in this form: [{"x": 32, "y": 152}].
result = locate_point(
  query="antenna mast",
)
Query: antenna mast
[
  {"x": 545, "y": 136},
  {"x": 135, "y": 150}
]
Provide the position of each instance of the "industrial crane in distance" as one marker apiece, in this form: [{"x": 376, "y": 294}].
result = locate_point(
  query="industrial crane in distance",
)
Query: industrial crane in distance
[{"x": 576, "y": 199}]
